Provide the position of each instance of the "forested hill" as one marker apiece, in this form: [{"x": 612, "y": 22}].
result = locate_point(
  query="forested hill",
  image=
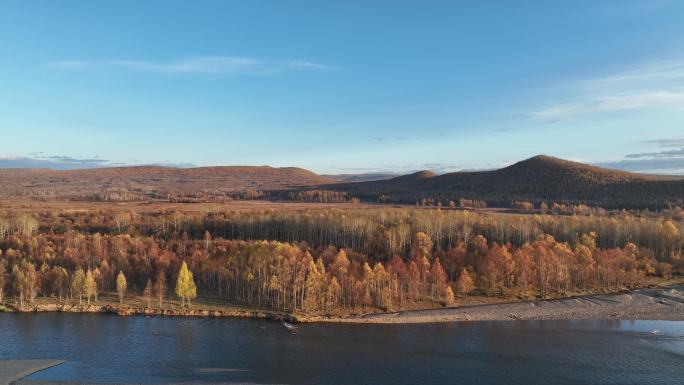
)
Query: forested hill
[
  {"x": 541, "y": 178},
  {"x": 145, "y": 182}
]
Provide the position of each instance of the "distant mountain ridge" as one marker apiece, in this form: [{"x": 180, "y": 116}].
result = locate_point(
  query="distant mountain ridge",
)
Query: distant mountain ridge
[
  {"x": 141, "y": 182},
  {"x": 540, "y": 178},
  {"x": 364, "y": 177}
]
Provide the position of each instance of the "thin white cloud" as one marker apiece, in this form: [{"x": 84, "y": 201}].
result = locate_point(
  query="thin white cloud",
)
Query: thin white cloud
[
  {"x": 677, "y": 141},
  {"x": 303, "y": 64},
  {"x": 651, "y": 72},
  {"x": 666, "y": 158},
  {"x": 653, "y": 85},
  {"x": 62, "y": 162},
  {"x": 603, "y": 104},
  {"x": 666, "y": 166},
  {"x": 207, "y": 65},
  {"x": 676, "y": 153},
  {"x": 204, "y": 65},
  {"x": 70, "y": 65}
]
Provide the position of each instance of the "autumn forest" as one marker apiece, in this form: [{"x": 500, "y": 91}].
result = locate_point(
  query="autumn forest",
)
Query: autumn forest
[{"x": 330, "y": 261}]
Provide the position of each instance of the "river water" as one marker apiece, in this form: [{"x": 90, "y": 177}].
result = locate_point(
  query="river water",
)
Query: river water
[{"x": 109, "y": 349}]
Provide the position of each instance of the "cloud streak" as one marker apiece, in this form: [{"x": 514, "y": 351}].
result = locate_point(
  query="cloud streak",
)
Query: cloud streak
[
  {"x": 656, "y": 71},
  {"x": 398, "y": 169},
  {"x": 665, "y": 143},
  {"x": 61, "y": 162},
  {"x": 654, "y": 85},
  {"x": 202, "y": 65},
  {"x": 57, "y": 162},
  {"x": 615, "y": 103},
  {"x": 667, "y": 166},
  {"x": 660, "y": 154},
  {"x": 668, "y": 160}
]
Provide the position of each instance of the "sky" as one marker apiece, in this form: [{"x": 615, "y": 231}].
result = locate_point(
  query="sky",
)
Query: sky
[{"x": 342, "y": 86}]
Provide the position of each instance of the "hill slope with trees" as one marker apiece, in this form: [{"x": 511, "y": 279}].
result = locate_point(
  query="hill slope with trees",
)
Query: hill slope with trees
[
  {"x": 541, "y": 178},
  {"x": 535, "y": 180},
  {"x": 145, "y": 182}
]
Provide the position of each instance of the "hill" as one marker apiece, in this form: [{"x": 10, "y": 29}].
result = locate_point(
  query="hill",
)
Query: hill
[
  {"x": 365, "y": 177},
  {"x": 146, "y": 182},
  {"x": 541, "y": 178}
]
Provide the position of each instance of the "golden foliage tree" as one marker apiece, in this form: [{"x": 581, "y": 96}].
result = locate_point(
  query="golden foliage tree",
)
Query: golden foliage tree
[
  {"x": 121, "y": 286},
  {"x": 465, "y": 283},
  {"x": 185, "y": 285},
  {"x": 78, "y": 284},
  {"x": 449, "y": 298},
  {"x": 89, "y": 286}
]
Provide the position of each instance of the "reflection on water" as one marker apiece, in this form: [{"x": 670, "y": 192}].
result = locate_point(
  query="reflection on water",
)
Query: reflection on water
[{"x": 105, "y": 348}]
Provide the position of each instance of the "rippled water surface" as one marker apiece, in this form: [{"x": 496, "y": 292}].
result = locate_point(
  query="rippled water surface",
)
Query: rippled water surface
[{"x": 110, "y": 349}]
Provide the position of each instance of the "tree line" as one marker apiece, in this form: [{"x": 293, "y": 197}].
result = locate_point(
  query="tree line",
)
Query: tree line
[
  {"x": 379, "y": 233},
  {"x": 295, "y": 276}
]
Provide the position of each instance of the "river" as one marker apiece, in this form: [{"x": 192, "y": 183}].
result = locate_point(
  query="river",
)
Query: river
[{"x": 109, "y": 349}]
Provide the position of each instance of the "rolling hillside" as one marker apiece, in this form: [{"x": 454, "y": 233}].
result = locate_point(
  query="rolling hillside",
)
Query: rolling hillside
[
  {"x": 365, "y": 177},
  {"x": 145, "y": 182},
  {"x": 535, "y": 179},
  {"x": 541, "y": 178}
]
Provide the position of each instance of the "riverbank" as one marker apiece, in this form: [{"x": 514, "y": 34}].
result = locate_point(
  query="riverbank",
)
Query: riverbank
[
  {"x": 659, "y": 303},
  {"x": 665, "y": 303},
  {"x": 145, "y": 311}
]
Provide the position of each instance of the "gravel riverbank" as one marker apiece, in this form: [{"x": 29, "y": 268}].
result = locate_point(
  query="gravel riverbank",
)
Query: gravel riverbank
[
  {"x": 647, "y": 304},
  {"x": 662, "y": 303}
]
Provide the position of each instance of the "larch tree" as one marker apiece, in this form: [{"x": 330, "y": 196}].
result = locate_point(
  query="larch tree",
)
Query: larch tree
[
  {"x": 185, "y": 285},
  {"x": 421, "y": 246},
  {"x": 312, "y": 289},
  {"x": 3, "y": 273},
  {"x": 465, "y": 284},
  {"x": 449, "y": 298},
  {"x": 18, "y": 279},
  {"x": 78, "y": 285},
  {"x": 160, "y": 287},
  {"x": 122, "y": 220},
  {"x": 669, "y": 232},
  {"x": 333, "y": 293},
  {"x": 89, "y": 286},
  {"x": 32, "y": 280},
  {"x": 438, "y": 278},
  {"x": 147, "y": 293},
  {"x": 121, "y": 286},
  {"x": 207, "y": 239},
  {"x": 381, "y": 287},
  {"x": 367, "y": 285},
  {"x": 524, "y": 267},
  {"x": 25, "y": 282},
  {"x": 61, "y": 281},
  {"x": 97, "y": 276}
]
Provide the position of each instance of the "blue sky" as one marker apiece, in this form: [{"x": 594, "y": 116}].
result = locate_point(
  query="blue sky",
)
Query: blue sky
[{"x": 342, "y": 86}]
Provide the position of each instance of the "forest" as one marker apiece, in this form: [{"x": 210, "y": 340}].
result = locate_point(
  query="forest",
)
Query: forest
[{"x": 331, "y": 261}]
